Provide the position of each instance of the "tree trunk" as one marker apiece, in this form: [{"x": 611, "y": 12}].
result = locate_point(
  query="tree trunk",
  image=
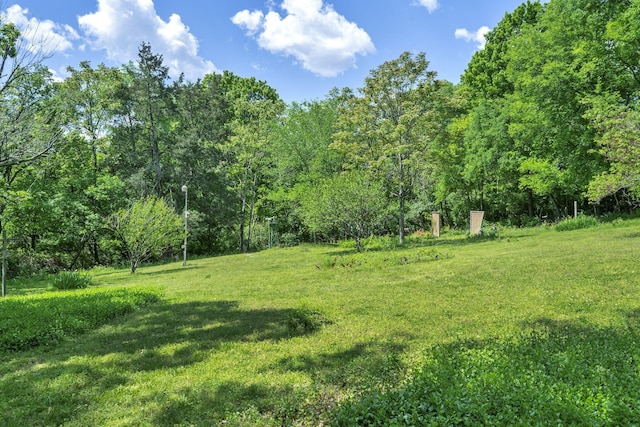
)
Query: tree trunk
[
  {"x": 252, "y": 208},
  {"x": 155, "y": 154},
  {"x": 401, "y": 197},
  {"x": 242, "y": 232},
  {"x": 96, "y": 252}
]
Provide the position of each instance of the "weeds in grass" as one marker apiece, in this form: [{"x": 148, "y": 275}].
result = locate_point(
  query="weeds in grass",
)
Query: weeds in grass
[
  {"x": 582, "y": 221},
  {"x": 380, "y": 259},
  {"x": 306, "y": 320},
  {"x": 45, "y": 319},
  {"x": 563, "y": 376},
  {"x": 69, "y": 280}
]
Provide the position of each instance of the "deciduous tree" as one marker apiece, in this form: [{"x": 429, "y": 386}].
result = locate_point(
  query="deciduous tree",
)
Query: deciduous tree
[
  {"x": 146, "y": 229},
  {"x": 350, "y": 202},
  {"x": 388, "y": 129}
]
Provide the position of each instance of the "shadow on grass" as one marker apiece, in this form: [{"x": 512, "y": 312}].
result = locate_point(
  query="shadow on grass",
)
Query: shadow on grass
[
  {"x": 167, "y": 270},
  {"x": 363, "y": 362},
  {"x": 553, "y": 372},
  {"x": 192, "y": 330},
  {"x": 331, "y": 372},
  {"x": 50, "y": 386}
]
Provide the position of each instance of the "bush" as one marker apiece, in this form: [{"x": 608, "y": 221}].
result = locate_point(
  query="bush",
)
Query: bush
[
  {"x": 582, "y": 221},
  {"x": 304, "y": 320},
  {"x": 288, "y": 240},
  {"x": 44, "y": 319},
  {"x": 68, "y": 280},
  {"x": 28, "y": 263}
]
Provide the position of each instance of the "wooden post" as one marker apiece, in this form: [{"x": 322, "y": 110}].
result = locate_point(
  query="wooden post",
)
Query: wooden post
[
  {"x": 476, "y": 222},
  {"x": 435, "y": 224}
]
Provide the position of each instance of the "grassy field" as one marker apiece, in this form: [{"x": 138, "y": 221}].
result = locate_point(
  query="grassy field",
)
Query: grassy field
[{"x": 294, "y": 336}]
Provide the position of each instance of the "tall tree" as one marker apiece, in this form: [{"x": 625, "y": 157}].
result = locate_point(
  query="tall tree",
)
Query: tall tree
[
  {"x": 254, "y": 108},
  {"x": 554, "y": 64},
  {"x": 152, "y": 91},
  {"x": 201, "y": 128},
  {"x": 300, "y": 159},
  {"x": 388, "y": 128},
  {"x": 88, "y": 100},
  {"x": 28, "y": 127},
  {"x": 619, "y": 140},
  {"x": 252, "y": 128},
  {"x": 486, "y": 74},
  {"x": 621, "y": 48},
  {"x": 144, "y": 124}
]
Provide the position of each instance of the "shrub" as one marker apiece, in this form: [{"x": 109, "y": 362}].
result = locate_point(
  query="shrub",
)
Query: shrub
[
  {"x": 582, "y": 221},
  {"x": 374, "y": 243},
  {"x": 288, "y": 240},
  {"x": 304, "y": 320},
  {"x": 68, "y": 280},
  {"x": 28, "y": 263}
]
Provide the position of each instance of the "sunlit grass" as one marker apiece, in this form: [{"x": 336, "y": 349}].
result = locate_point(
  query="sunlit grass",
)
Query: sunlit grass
[{"x": 229, "y": 342}]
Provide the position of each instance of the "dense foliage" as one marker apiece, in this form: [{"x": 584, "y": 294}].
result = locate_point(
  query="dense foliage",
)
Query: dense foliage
[
  {"x": 556, "y": 376},
  {"x": 45, "y": 319},
  {"x": 545, "y": 116},
  {"x": 146, "y": 229}
]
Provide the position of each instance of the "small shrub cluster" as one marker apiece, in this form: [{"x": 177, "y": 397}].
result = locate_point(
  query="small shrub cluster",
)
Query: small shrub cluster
[
  {"x": 69, "y": 280},
  {"x": 44, "y": 319},
  {"x": 28, "y": 263},
  {"x": 304, "y": 320},
  {"x": 562, "y": 377},
  {"x": 287, "y": 240},
  {"x": 582, "y": 221}
]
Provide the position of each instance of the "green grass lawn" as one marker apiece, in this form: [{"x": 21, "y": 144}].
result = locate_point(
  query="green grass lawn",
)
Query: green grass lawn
[{"x": 290, "y": 336}]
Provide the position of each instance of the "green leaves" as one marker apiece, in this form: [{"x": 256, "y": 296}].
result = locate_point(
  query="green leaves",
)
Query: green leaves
[
  {"x": 564, "y": 376},
  {"x": 9, "y": 34},
  {"x": 351, "y": 202},
  {"x": 541, "y": 176},
  {"x": 146, "y": 228},
  {"x": 388, "y": 129},
  {"x": 48, "y": 318},
  {"x": 619, "y": 141}
]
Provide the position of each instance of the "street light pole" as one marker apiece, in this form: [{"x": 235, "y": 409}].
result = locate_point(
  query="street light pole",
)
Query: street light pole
[
  {"x": 270, "y": 220},
  {"x": 186, "y": 214}
]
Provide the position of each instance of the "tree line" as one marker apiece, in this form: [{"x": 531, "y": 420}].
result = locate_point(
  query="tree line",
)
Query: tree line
[{"x": 545, "y": 115}]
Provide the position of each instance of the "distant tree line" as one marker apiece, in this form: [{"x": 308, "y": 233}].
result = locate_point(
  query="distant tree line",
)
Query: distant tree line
[{"x": 548, "y": 113}]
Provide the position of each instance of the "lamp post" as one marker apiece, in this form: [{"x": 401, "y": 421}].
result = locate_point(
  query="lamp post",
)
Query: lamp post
[
  {"x": 186, "y": 214},
  {"x": 270, "y": 220}
]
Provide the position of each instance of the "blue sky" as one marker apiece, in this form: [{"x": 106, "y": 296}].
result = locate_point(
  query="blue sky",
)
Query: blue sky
[{"x": 302, "y": 48}]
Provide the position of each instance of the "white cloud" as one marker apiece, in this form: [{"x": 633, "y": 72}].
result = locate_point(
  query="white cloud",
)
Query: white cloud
[
  {"x": 251, "y": 21},
  {"x": 474, "y": 36},
  {"x": 41, "y": 37},
  {"x": 120, "y": 26},
  {"x": 431, "y": 5},
  {"x": 322, "y": 40}
]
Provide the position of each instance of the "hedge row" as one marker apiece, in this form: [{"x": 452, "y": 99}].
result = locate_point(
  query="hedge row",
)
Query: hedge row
[{"x": 44, "y": 319}]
